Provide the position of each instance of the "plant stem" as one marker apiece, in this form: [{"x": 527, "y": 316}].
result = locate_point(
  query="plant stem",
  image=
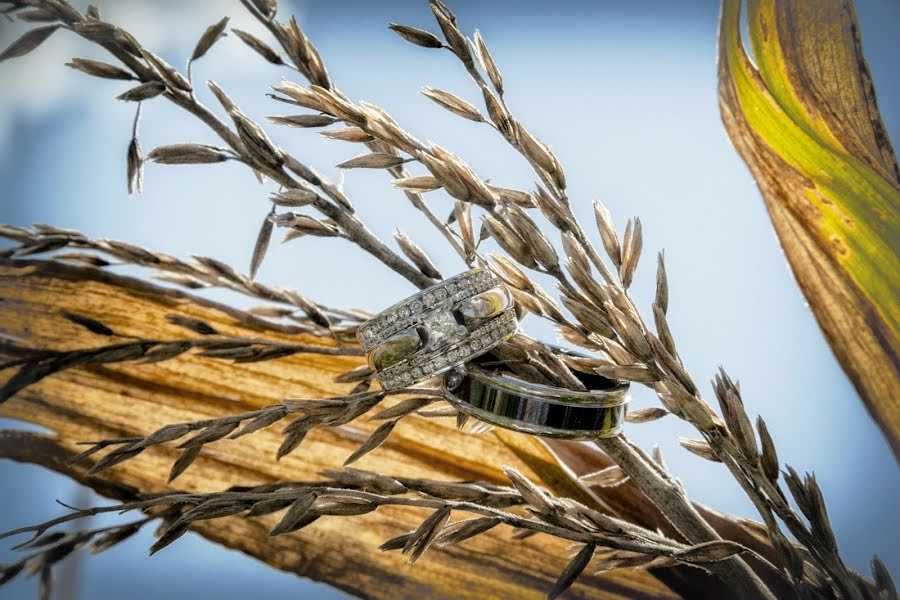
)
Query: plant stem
[{"x": 668, "y": 496}]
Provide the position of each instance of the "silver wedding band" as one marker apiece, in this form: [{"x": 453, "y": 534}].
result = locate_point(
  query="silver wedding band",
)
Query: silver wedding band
[{"x": 439, "y": 328}]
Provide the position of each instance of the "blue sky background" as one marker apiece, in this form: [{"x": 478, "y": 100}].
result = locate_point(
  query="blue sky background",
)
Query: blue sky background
[{"x": 625, "y": 94}]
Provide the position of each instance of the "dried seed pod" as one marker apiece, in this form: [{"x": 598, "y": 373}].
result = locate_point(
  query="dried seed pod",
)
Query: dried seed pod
[
  {"x": 589, "y": 317},
  {"x": 99, "y": 69},
  {"x": 609, "y": 477},
  {"x": 464, "y": 530},
  {"x": 403, "y": 408},
  {"x": 553, "y": 211},
  {"x": 262, "y": 245},
  {"x": 738, "y": 422},
  {"x": 645, "y": 415},
  {"x": 672, "y": 365},
  {"x": 532, "y": 494},
  {"x": 576, "y": 337},
  {"x": 454, "y": 104},
  {"x": 170, "y": 76},
  {"x": 376, "y": 439},
  {"x": 510, "y": 273},
  {"x": 303, "y": 120},
  {"x": 256, "y": 141},
  {"x": 175, "y": 531},
  {"x": 451, "y": 183},
  {"x": 417, "y": 256},
  {"x": 211, "y": 434},
  {"x": 28, "y": 42},
  {"x": 37, "y": 15},
  {"x": 631, "y": 252},
  {"x": 212, "y": 34},
  {"x": 540, "y": 247},
  {"x": 142, "y": 92},
  {"x": 713, "y": 551},
  {"x": 511, "y": 196},
  {"x": 134, "y": 163},
  {"x": 629, "y": 331},
  {"x": 416, "y": 36},
  {"x": 418, "y": 184},
  {"x": 487, "y": 63},
  {"x": 294, "y": 518},
  {"x": 259, "y": 46},
  {"x": 636, "y": 373},
  {"x": 882, "y": 577},
  {"x": 294, "y": 197},
  {"x": 608, "y": 233},
  {"x": 110, "y": 539},
  {"x": 768, "y": 459},
  {"x": 290, "y": 443},
  {"x": 455, "y": 39},
  {"x": 662, "y": 286},
  {"x": 575, "y": 252},
  {"x": 187, "y": 456},
  {"x": 348, "y": 134},
  {"x": 222, "y": 97},
  {"x": 420, "y": 539},
  {"x": 373, "y": 160},
  {"x": 510, "y": 241},
  {"x": 663, "y": 331},
  {"x": 499, "y": 117},
  {"x": 700, "y": 448},
  {"x": 188, "y": 154},
  {"x": 575, "y": 567},
  {"x": 266, "y": 7},
  {"x": 536, "y": 150}
]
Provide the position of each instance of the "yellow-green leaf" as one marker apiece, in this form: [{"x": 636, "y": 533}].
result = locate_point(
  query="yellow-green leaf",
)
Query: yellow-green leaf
[{"x": 803, "y": 116}]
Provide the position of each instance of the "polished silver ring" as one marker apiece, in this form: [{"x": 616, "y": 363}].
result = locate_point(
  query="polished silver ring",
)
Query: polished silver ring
[
  {"x": 439, "y": 328},
  {"x": 501, "y": 399}
]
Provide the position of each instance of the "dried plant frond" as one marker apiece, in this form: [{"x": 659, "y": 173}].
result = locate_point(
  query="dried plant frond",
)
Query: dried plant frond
[{"x": 419, "y": 37}]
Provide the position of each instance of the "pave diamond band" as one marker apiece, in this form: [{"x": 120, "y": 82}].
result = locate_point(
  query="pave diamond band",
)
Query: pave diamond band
[
  {"x": 416, "y": 308},
  {"x": 427, "y": 364},
  {"x": 501, "y": 399}
]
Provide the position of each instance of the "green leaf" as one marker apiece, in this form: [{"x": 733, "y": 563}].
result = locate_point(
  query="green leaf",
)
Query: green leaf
[{"x": 802, "y": 114}]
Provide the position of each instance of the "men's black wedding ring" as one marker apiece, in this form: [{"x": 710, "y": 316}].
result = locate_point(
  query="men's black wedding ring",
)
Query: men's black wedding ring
[{"x": 504, "y": 400}]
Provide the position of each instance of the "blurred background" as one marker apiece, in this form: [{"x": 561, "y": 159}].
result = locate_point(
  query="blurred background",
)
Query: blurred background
[{"x": 625, "y": 92}]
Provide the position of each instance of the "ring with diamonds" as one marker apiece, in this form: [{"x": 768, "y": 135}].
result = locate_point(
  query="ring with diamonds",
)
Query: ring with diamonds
[
  {"x": 504, "y": 400},
  {"x": 439, "y": 328}
]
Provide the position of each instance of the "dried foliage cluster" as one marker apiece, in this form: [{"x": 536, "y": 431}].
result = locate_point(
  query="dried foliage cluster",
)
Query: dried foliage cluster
[{"x": 591, "y": 309}]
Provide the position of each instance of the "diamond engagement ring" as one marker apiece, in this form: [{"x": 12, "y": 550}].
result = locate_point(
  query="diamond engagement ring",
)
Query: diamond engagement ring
[
  {"x": 504, "y": 400},
  {"x": 439, "y": 328}
]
